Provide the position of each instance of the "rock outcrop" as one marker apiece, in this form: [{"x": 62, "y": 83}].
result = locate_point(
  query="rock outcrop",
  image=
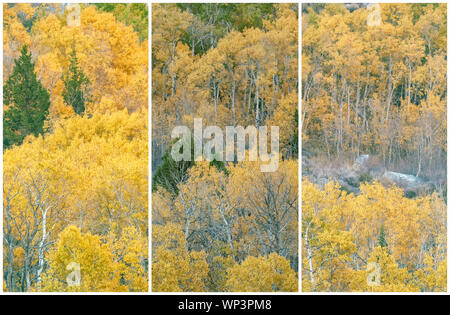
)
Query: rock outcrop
[
  {"x": 412, "y": 185},
  {"x": 402, "y": 180},
  {"x": 361, "y": 164},
  {"x": 355, "y": 6},
  {"x": 364, "y": 169}
]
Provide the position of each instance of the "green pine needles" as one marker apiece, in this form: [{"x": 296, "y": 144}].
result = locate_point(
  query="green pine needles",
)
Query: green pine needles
[
  {"x": 26, "y": 102},
  {"x": 76, "y": 86}
]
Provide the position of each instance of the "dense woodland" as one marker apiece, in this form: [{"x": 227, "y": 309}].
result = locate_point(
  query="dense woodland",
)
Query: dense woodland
[
  {"x": 75, "y": 161},
  {"x": 223, "y": 226},
  {"x": 75, "y": 176},
  {"x": 378, "y": 89}
]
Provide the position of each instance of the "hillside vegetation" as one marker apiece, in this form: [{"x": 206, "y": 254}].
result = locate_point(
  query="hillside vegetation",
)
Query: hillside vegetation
[
  {"x": 224, "y": 226},
  {"x": 75, "y": 161},
  {"x": 374, "y": 117}
]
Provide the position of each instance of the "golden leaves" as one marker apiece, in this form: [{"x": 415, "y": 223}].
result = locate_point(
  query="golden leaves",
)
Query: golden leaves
[
  {"x": 342, "y": 234},
  {"x": 262, "y": 274},
  {"x": 98, "y": 169}
]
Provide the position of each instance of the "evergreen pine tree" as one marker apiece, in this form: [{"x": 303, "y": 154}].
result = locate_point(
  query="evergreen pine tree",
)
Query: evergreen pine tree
[
  {"x": 171, "y": 173},
  {"x": 26, "y": 102},
  {"x": 76, "y": 85},
  {"x": 382, "y": 238},
  {"x": 293, "y": 143}
]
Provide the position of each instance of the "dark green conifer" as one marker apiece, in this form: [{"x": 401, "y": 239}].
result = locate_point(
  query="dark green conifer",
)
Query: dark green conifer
[
  {"x": 26, "y": 102},
  {"x": 76, "y": 86}
]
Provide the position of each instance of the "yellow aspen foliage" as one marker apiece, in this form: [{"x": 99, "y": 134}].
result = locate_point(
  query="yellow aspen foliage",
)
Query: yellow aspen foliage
[
  {"x": 284, "y": 117},
  {"x": 376, "y": 88},
  {"x": 265, "y": 216},
  {"x": 232, "y": 203},
  {"x": 90, "y": 172},
  {"x": 372, "y": 88},
  {"x": 15, "y": 34},
  {"x": 393, "y": 277},
  {"x": 78, "y": 191},
  {"x": 130, "y": 250},
  {"x": 98, "y": 272},
  {"x": 240, "y": 81},
  {"x": 262, "y": 274},
  {"x": 110, "y": 55},
  {"x": 232, "y": 65},
  {"x": 432, "y": 277},
  {"x": 344, "y": 233},
  {"x": 174, "y": 268}
]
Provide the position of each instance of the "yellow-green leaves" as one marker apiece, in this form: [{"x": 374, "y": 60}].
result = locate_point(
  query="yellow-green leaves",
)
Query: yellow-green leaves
[
  {"x": 92, "y": 173},
  {"x": 80, "y": 262},
  {"x": 262, "y": 274},
  {"x": 174, "y": 268},
  {"x": 78, "y": 194},
  {"x": 343, "y": 234}
]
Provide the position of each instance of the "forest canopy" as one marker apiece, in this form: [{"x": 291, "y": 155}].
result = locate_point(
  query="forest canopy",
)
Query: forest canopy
[
  {"x": 75, "y": 167},
  {"x": 377, "y": 90},
  {"x": 374, "y": 142},
  {"x": 224, "y": 226}
]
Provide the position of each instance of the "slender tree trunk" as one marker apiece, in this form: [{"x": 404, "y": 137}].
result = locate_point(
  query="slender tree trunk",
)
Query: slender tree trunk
[{"x": 309, "y": 257}]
